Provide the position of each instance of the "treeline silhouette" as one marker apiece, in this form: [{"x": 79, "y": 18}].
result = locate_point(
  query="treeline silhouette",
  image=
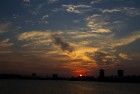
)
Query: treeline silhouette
[{"x": 101, "y": 78}]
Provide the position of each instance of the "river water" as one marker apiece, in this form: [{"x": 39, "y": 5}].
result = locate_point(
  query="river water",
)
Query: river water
[{"x": 66, "y": 87}]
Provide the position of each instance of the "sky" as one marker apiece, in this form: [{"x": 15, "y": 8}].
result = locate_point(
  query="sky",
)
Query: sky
[{"x": 69, "y": 37}]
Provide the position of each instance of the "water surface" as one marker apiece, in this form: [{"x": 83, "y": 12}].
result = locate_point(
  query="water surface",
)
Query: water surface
[{"x": 66, "y": 87}]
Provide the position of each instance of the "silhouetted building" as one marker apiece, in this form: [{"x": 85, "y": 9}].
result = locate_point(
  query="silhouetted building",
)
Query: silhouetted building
[
  {"x": 120, "y": 73},
  {"x": 55, "y": 76},
  {"x": 34, "y": 75},
  {"x": 101, "y": 73}
]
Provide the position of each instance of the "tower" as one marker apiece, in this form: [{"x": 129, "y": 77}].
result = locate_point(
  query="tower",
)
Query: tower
[
  {"x": 55, "y": 76},
  {"x": 120, "y": 73},
  {"x": 101, "y": 73}
]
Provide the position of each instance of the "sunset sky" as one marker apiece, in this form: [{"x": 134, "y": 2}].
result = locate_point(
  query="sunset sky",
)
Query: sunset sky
[{"x": 69, "y": 37}]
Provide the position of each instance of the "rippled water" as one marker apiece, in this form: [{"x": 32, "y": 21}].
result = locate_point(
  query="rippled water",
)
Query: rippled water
[{"x": 65, "y": 87}]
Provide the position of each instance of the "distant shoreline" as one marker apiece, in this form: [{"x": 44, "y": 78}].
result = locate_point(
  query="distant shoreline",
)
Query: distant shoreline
[{"x": 131, "y": 79}]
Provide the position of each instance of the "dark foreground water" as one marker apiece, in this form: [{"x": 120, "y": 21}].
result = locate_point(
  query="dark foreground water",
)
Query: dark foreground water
[{"x": 66, "y": 87}]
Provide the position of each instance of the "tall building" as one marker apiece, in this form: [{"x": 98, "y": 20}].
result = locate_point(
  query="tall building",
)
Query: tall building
[
  {"x": 34, "y": 74},
  {"x": 55, "y": 76},
  {"x": 101, "y": 73},
  {"x": 120, "y": 73}
]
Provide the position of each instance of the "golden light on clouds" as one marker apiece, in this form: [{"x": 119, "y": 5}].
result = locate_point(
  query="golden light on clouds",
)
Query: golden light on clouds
[
  {"x": 81, "y": 53},
  {"x": 123, "y": 56},
  {"x": 76, "y": 51},
  {"x": 75, "y": 45},
  {"x": 78, "y": 36}
]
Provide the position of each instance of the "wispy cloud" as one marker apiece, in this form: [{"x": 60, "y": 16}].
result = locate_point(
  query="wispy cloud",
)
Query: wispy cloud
[
  {"x": 5, "y": 43},
  {"x": 96, "y": 1},
  {"x": 77, "y": 8},
  {"x": 26, "y": 1},
  {"x": 44, "y": 18},
  {"x": 76, "y": 45},
  {"x": 35, "y": 39},
  {"x": 52, "y": 1},
  {"x": 126, "y": 40},
  {"x": 123, "y": 56},
  {"x": 97, "y": 24},
  {"x": 110, "y": 10},
  {"x": 130, "y": 11},
  {"x": 6, "y": 46},
  {"x": 4, "y": 27}
]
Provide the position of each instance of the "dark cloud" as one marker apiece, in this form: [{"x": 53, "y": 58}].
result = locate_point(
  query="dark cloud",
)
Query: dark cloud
[
  {"x": 105, "y": 58},
  {"x": 63, "y": 45}
]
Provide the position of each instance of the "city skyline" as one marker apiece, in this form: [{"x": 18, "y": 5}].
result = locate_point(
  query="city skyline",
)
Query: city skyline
[{"x": 69, "y": 37}]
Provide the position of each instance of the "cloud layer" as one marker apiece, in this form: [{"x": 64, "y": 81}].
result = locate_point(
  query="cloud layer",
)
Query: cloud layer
[{"x": 78, "y": 36}]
